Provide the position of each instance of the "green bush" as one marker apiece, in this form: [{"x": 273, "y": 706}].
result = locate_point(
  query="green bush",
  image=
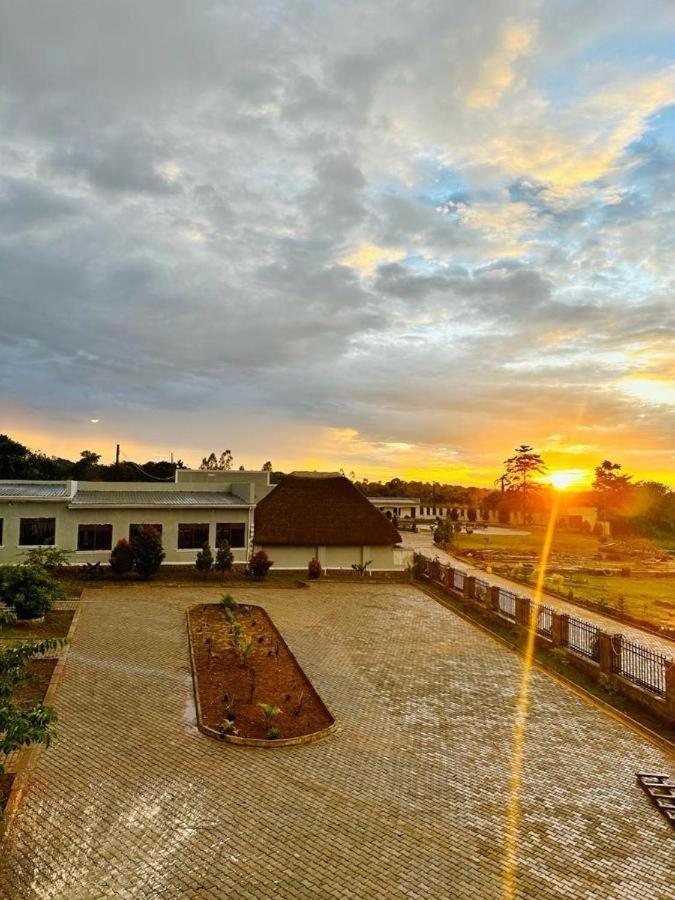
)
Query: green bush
[
  {"x": 224, "y": 557},
  {"x": 122, "y": 557},
  {"x": 29, "y": 590},
  {"x": 148, "y": 552},
  {"x": 259, "y": 565},
  {"x": 204, "y": 560},
  {"x": 47, "y": 557}
]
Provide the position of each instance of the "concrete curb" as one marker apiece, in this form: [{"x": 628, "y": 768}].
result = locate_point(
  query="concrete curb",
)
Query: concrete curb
[
  {"x": 260, "y": 743},
  {"x": 658, "y": 740},
  {"x": 28, "y": 758}
]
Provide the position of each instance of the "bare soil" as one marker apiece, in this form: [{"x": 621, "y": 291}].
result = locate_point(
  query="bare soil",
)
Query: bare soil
[
  {"x": 227, "y": 685},
  {"x": 34, "y": 690},
  {"x": 56, "y": 624},
  {"x": 6, "y": 780}
]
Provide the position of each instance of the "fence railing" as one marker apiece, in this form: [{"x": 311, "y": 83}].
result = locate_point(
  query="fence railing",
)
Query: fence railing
[
  {"x": 458, "y": 579},
  {"x": 545, "y": 621},
  {"x": 482, "y": 590},
  {"x": 582, "y": 637},
  {"x": 507, "y": 604},
  {"x": 639, "y": 665}
]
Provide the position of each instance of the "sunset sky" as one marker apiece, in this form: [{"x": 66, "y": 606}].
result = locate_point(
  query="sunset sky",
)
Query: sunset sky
[{"x": 394, "y": 237}]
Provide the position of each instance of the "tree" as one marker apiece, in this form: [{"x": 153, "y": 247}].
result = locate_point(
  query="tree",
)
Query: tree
[
  {"x": 87, "y": 466},
  {"x": 259, "y": 565},
  {"x": 204, "y": 560},
  {"x": 224, "y": 557},
  {"x": 122, "y": 557},
  {"x": 267, "y": 466},
  {"x": 520, "y": 470},
  {"x": 29, "y": 590},
  {"x": 221, "y": 463},
  {"x": 148, "y": 551},
  {"x": 610, "y": 487}
]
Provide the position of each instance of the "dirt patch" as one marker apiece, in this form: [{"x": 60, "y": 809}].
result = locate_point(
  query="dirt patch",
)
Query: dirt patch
[
  {"x": 34, "y": 690},
  {"x": 227, "y": 686}
]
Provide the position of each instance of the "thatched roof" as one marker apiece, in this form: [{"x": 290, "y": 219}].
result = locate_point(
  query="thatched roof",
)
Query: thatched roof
[{"x": 320, "y": 509}]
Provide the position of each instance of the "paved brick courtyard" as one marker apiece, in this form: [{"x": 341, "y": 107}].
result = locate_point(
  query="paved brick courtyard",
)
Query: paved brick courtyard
[{"x": 407, "y": 800}]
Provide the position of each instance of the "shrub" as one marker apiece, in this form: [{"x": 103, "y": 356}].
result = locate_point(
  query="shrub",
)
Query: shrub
[
  {"x": 444, "y": 533},
  {"x": 148, "y": 552},
  {"x": 52, "y": 558},
  {"x": 361, "y": 569},
  {"x": 259, "y": 565},
  {"x": 22, "y": 725},
  {"x": 204, "y": 559},
  {"x": 224, "y": 557},
  {"x": 122, "y": 557},
  {"x": 314, "y": 569},
  {"x": 29, "y": 590}
]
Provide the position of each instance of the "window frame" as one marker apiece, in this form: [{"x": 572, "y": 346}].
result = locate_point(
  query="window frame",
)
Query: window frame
[
  {"x": 95, "y": 525},
  {"x": 23, "y": 519},
  {"x": 193, "y": 525},
  {"x": 231, "y": 525}
]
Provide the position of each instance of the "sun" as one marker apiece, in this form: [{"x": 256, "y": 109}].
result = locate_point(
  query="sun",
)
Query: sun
[{"x": 563, "y": 480}]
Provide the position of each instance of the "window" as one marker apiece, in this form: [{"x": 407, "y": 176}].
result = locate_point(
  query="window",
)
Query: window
[
  {"x": 36, "y": 532},
  {"x": 137, "y": 528},
  {"x": 94, "y": 537},
  {"x": 235, "y": 535},
  {"x": 192, "y": 537}
]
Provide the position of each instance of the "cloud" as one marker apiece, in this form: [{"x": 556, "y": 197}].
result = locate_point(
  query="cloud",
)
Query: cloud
[{"x": 498, "y": 70}]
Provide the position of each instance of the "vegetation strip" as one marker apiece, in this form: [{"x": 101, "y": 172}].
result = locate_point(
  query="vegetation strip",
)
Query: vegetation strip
[
  {"x": 249, "y": 687},
  {"x": 27, "y": 759},
  {"x": 453, "y": 604}
]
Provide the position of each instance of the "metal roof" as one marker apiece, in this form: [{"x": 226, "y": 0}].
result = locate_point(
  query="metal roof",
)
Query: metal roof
[
  {"x": 27, "y": 490},
  {"x": 157, "y": 498}
]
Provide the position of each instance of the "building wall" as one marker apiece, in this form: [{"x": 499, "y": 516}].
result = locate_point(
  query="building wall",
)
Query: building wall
[
  {"x": 67, "y": 521},
  {"x": 340, "y": 557}
]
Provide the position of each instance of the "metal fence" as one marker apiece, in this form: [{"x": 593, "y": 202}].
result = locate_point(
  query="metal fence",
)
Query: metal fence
[
  {"x": 545, "y": 621},
  {"x": 582, "y": 637},
  {"x": 507, "y": 604},
  {"x": 482, "y": 590},
  {"x": 639, "y": 665},
  {"x": 458, "y": 579}
]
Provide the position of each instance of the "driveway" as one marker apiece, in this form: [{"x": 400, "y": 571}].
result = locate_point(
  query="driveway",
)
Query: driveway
[
  {"x": 423, "y": 543},
  {"x": 407, "y": 800}
]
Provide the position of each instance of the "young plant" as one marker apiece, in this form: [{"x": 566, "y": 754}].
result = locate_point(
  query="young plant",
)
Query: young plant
[
  {"x": 204, "y": 560},
  {"x": 227, "y": 602},
  {"x": 224, "y": 557},
  {"x": 50, "y": 558},
  {"x": 314, "y": 570},
  {"x": 361, "y": 569},
  {"x": 148, "y": 551},
  {"x": 270, "y": 712}
]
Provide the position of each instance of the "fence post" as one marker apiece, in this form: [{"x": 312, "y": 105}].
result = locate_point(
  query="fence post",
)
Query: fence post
[
  {"x": 523, "y": 611},
  {"x": 449, "y": 577},
  {"x": 560, "y": 629},
  {"x": 494, "y": 596},
  {"x": 670, "y": 692},
  {"x": 469, "y": 587},
  {"x": 605, "y": 652}
]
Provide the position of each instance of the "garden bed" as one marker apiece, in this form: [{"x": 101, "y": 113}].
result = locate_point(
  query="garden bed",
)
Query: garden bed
[
  {"x": 6, "y": 781},
  {"x": 56, "y": 623},
  {"x": 227, "y": 685},
  {"x": 34, "y": 690}
]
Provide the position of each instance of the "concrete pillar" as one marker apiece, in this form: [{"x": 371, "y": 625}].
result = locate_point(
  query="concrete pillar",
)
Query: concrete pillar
[
  {"x": 470, "y": 587},
  {"x": 494, "y": 596},
  {"x": 560, "y": 627},
  {"x": 605, "y": 652},
  {"x": 523, "y": 609},
  {"x": 670, "y": 692}
]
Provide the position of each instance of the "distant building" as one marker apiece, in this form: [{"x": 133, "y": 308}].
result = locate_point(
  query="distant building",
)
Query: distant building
[
  {"x": 89, "y": 517},
  {"x": 323, "y": 515}
]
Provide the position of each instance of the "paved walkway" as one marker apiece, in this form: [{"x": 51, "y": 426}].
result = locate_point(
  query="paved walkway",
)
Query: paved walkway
[
  {"x": 423, "y": 543},
  {"x": 407, "y": 800}
]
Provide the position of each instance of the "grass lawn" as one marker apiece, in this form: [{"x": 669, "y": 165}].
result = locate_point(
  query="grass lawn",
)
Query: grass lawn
[
  {"x": 56, "y": 624},
  {"x": 644, "y": 597}
]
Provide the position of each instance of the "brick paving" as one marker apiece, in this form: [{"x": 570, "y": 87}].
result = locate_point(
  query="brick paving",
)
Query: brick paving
[
  {"x": 423, "y": 543},
  {"x": 407, "y": 800}
]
